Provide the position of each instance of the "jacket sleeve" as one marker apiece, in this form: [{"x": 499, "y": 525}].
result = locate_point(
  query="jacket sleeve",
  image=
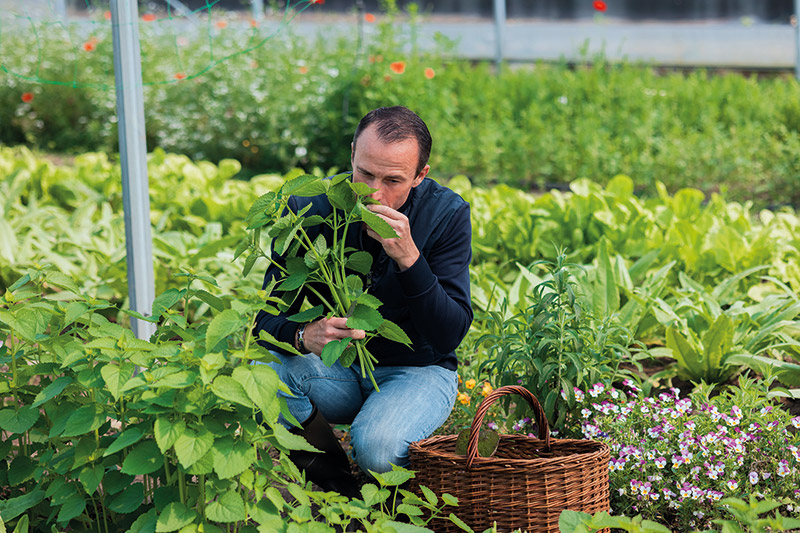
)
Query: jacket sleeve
[{"x": 436, "y": 287}]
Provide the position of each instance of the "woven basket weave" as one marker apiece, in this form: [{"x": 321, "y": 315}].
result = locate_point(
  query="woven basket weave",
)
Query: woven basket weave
[{"x": 524, "y": 485}]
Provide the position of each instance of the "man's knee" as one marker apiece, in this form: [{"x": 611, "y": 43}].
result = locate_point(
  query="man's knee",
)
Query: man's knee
[{"x": 377, "y": 452}]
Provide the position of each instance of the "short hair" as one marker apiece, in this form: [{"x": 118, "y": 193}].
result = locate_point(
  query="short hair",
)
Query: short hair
[{"x": 395, "y": 124}]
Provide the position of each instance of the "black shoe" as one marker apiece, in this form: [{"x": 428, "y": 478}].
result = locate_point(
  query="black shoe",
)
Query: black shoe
[{"x": 329, "y": 469}]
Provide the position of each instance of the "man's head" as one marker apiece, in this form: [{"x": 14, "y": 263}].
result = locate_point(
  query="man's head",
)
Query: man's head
[{"x": 390, "y": 153}]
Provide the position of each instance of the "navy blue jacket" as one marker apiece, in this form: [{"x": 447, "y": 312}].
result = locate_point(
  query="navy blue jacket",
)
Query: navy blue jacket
[{"x": 430, "y": 301}]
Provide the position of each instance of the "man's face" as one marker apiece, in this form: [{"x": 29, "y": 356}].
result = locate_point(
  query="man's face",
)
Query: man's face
[{"x": 391, "y": 168}]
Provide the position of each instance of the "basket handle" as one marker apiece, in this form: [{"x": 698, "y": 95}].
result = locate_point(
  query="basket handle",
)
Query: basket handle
[{"x": 483, "y": 408}]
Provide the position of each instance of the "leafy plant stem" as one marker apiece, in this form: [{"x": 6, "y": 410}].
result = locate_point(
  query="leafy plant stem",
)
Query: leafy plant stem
[
  {"x": 326, "y": 273},
  {"x": 201, "y": 501},
  {"x": 181, "y": 487}
]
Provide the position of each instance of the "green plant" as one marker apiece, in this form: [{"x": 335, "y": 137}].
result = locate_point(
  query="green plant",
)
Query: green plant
[
  {"x": 748, "y": 514},
  {"x": 579, "y": 522},
  {"x": 553, "y": 346},
  {"x": 306, "y": 259}
]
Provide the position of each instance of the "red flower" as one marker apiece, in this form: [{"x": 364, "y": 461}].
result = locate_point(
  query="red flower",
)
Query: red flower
[
  {"x": 369, "y": 17},
  {"x": 180, "y": 76},
  {"x": 599, "y": 5},
  {"x": 107, "y": 15},
  {"x": 303, "y": 70},
  {"x": 89, "y": 46},
  {"x": 317, "y": 2},
  {"x": 253, "y": 23},
  {"x": 27, "y": 97},
  {"x": 148, "y": 17},
  {"x": 221, "y": 24},
  {"x": 398, "y": 67},
  {"x": 429, "y": 73}
]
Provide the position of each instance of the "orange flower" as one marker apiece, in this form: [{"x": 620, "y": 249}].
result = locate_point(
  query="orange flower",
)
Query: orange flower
[
  {"x": 470, "y": 384},
  {"x": 254, "y": 64},
  {"x": 369, "y": 17},
  {"x": 387, "y": 78},
  {"x": 27, "y": 97},
  {"x": 180, "y": 76},
  {"x": 487, "y": 389},
  {"x": 463, "y": 398},
  {"x": 89, "y": 46},
  {"x": 221, "y": 24},
  {"x": 599, "y": 5},
  {"x": 107, "y": 15},
  {"x": 148, "y": 17},
  {"x": 303, "y": 70},
  {"x": 398, "y": 67},
  {"x": 253, "y": 23},
  {"x": 429, "y": 73}
]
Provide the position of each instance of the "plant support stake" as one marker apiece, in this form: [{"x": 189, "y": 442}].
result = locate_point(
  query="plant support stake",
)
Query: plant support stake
[
  {"x": 796, "y": 24},
  {"x": 133, "y": 160}
]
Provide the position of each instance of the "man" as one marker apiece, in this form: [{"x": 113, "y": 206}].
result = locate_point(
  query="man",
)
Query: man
[{"x": 422, "y": 279}]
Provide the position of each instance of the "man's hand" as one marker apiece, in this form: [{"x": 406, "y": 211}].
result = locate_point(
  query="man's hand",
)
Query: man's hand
[
  {"x": 401, "y": 248},
  {"x": 318, "y": 334}
]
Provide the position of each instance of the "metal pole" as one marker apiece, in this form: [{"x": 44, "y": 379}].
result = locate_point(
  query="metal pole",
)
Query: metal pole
[
  {"x": 796, "y": 24},
  {"x": 133, "y": 159},
  {"x": 60, "y": 8},
  {"x": 258, "y": 9},
  {"x": 181, "y": 8},
  {"x": 499, "y": 29}
]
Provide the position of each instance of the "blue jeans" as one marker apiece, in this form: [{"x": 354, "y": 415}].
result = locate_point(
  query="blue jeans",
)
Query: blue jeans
[{"x": 412, "y": 403}]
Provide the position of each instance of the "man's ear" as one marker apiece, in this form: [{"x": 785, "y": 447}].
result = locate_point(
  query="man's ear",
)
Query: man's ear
[{"x": 421, "y": 176}]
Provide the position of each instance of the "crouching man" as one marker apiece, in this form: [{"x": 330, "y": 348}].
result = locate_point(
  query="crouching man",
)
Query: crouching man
[{"x": 422, "y": 278}]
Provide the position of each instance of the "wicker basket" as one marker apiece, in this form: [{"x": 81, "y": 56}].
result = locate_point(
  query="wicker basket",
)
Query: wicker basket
[{"x": 525, "y": 485}]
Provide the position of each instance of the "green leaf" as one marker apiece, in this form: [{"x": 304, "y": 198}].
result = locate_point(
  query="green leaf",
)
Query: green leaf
[
  {"x": 570, "y": 520},
  {"x": 364, "y": 317},
  {"x": 430, "y": 495},
  {"x": 231, "y": 458},
  {"x": 124, "y": 439},
  {"x": 22, "y": 525},
  {"x": 717, "y": 342},
  {"x": 488, "y": 440},
  {"x": 341, "y": 196},
  {"x": 20, "y": 470},
  {"x": 449, "y": 499},
  {"x": 360, "y": 262},
  {"x": 309, "y": 315},
  {"x": 607, "y": 293},
  {"x": 227, "y": 388},
  {"x": 261, "y": 209},
  {"x": 128, "y": 500},
  {"x": 146, "y": 523},
  {"x": 224, "y": 324},
  {"x": 298, "y": 274},
  {"x": 264, "y": 336},
  {"x": 378, "y": 224},
  {"x": 684, "y": 353},
  {"x": 260, "y": 382},
  {"x": 62, "y": 281},
  {"x": 213, "y": 301},
  {"x": 13, "y": 507},
  {"x": 333, "y": 350},
  {"x": 116, "y": 376},
  {"x": 90, "y": 477},
  {"x": 291, "y": 441},
  {"x": 193, "y": 445},
  {"x": 145, "y": 458},
  {"x": 18, "y": 421},
  {"x": 460, "y": 523},
  {"x": 165, "y": 301},
  {"x": 393, "y": 332},
  {"x": 305, "y": 185},
  {"x": 393, "y": 478},
  {"x": 84, "y": 420},
  {"x": 368, "y": 300},
  {"x": 174, "y": 516},
  {"x": 167, "y": 432},
  {"x": 228, "y": 508},
  {"x": 72, "y": 507},
  {"x": 74, "y": 310},
  {"x": 51, "y": 391}
]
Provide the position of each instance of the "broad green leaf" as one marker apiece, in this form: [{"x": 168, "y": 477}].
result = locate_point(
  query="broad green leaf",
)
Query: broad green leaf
[
  {"x": 213, "y": 301},
  {"x": 29, "y": 322},
  {"x": 393, "y": 332},
  {"x": 128, "y": 500},
  {"x": 177, "y": 380},
  {"x": 333, "y": 350},
  {"x": 62, "y": 281},
  {"x": 368, "y": 300},
  {"x": 341, "y": 196},
  {"x": 349, "y": 356},
  {"x": 429, "y": 495},
  {"x": 222, "y": 325},
  {"x": 51, "y": 391},
  {"x": 18, "y": 421},
  {"x": 193, "y": 445},
  {"x": 305, "y": 185},
  {"x": 260, "y": 382},
  {"x": 298, "y": 274},
  {"x": 309, "y": 315},
  {"x": 393, "y": 478},
  {"x": 167, "y": 432},
  {"x": 124, "y": 439},
  {"x": 361, "y": 189},
  {"x": 285, "y": 237},
  {"x": 229, "y": 507},
  {"x": 227, "y": 388},
  {"x": 165, "y": 301},
  {"x": 231, "y": 458},
  {"x": 364, "y": 317},
  {"x": 90, "y": 477},
  {"x": 378, "y": 224},
  {"x": 20, "y": 470},
  {"x": 289, "y": 440},
  {"x": 74, "y": 310},
  {"x": 570, "y": 520},
  {"x": 360, "y": 262},
  {"x": 116, "y": 376},
  {"x": 22, "y": 525},
  {"x": 13, "y": 507},
  {"x": 716, "y": 343},
  {"x": 320, "y": 245},
  {"x": 145, "y": 458},
  {"x": 684, "y": 353},
  {"x": 71, "y": 508},
  {"x": 84, "y": 420},
  {"x": 606, "y": 295},
  {"x": 174, "y": 516},
  {"x": 203, "y": 466},
  {"x": 460, "y": 523},
  {"x": 401, "y": 527},
  {"x": 259, "y": 212}
]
